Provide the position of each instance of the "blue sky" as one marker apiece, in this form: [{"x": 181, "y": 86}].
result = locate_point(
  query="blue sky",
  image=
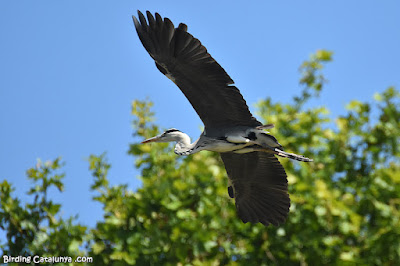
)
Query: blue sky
[{"x": 70, "y": 70}]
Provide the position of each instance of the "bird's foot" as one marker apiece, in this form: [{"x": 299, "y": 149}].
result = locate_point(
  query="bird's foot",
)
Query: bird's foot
[
  {"x": 267, "y": 126},
  {"x": 291, "y": 155}
]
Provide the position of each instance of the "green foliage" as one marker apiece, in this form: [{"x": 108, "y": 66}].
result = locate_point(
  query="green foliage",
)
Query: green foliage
[
  {"x": 345, "y": 205},
  {"x": 37, "y": 227}
]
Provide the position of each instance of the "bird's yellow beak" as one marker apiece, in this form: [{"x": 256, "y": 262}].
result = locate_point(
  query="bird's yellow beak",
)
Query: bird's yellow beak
[{"x": 153, "y": 139}]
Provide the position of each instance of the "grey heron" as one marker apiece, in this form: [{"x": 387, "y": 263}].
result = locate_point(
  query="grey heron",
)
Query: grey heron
[{"x": 257, "y": 180}]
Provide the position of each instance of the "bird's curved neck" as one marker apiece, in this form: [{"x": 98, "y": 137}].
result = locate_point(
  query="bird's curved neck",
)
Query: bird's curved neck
[{"x": 183, "y": 145}]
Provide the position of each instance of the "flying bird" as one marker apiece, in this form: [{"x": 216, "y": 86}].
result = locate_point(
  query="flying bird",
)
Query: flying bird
[{"x": 257, "y": 180}]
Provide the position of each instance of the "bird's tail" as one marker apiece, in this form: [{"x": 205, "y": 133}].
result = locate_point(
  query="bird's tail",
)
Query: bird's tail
[{"x": 291, "y": 155}]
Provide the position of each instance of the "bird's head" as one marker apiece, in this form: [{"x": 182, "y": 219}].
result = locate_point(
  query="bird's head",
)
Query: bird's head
[{"x": 169, "y": 135}]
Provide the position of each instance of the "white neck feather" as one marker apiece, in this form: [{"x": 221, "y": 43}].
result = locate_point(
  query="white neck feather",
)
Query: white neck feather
[{"x": 183, "y": 145}]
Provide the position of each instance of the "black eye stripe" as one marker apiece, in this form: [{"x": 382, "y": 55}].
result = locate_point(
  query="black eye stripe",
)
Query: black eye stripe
[{"x": 171, "y": 130}]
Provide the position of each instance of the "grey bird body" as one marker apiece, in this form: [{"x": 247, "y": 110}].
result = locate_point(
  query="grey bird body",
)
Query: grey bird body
[
  {"x": 257, "y": 180},
  {"x": 237, "y": 140}
]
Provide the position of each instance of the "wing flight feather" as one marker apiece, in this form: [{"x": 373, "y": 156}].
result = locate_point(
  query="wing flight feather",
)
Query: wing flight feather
[
  {"x": 202, "y": 80},
  {"x": 259, "y": 186}
]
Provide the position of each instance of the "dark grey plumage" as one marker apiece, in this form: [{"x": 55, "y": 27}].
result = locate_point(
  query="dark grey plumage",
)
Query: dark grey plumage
[
  {"x": 259, "y": 186},
  {"x": 203, "y": 81},
  {"x": 258, "y": 180}
]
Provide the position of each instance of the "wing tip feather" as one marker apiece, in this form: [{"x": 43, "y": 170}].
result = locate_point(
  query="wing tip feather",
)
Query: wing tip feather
[{"x": 183, "y": 27}]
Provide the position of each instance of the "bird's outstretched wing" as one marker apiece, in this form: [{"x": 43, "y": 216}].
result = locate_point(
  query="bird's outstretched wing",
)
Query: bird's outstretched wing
[
  {"x": 259, "y": 186},
  {"x": 184, "y": 60}
]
